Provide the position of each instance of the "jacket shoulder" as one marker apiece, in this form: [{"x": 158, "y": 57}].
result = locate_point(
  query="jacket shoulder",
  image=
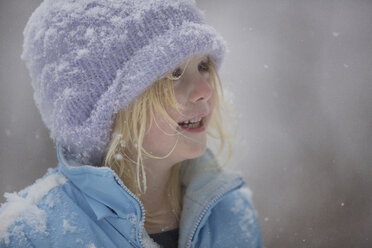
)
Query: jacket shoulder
[
  {"x": 233, "y": 222},
  {"x": 45, "y": 215},
  {"x": 50, "y": 213},
  {"x": 23, "y": 214}
]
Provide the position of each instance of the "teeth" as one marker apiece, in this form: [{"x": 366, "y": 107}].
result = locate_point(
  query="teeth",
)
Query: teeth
[
  {"x": 196, "y": 120},
  {"x": 191, "y": 121},
  {"x": 194, "y": 123}
]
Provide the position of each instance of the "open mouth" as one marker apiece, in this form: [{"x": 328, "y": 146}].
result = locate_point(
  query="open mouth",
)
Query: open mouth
[{"x": 196, "y": 123}]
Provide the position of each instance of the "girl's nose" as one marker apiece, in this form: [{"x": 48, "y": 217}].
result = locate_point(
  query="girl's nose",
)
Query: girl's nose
[{"x": 202, "y": 89}]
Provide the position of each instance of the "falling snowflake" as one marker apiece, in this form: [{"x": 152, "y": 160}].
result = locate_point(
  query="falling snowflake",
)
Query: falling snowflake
[
  {"x": 8, "y": 132},
  {"x": 335, "y": 34},
  {"x": 118, "y": 156}
]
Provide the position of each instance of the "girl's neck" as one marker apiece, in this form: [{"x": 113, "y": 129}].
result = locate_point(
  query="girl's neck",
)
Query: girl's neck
[{"x": 156, "y": 199}]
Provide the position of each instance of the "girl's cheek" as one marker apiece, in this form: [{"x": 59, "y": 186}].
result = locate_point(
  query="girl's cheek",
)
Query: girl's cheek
[
  {"x": 174, "y": 114},
  {"x": 212, "y": 101},
  {"x": 180, "y": 94}
]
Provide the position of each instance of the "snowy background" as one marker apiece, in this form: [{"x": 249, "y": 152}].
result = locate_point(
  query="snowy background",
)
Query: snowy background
[{"x": 300, "y": 73}]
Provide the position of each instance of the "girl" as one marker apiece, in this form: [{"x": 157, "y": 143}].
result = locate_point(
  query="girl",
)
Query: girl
[{"x": 129, "y": 91}]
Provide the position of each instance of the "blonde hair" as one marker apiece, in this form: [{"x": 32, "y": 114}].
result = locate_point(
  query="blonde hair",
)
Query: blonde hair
[{"x": 130, "y": 127}]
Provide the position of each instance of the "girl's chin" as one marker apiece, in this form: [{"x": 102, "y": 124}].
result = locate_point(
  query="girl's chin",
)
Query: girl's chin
[{"x": 194, "y": 151}]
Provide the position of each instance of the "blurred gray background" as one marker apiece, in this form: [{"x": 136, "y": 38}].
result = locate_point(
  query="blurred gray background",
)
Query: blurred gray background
[{"x": 299, "y": 74}]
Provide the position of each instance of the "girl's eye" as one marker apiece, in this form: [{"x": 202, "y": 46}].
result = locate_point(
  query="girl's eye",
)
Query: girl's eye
[
  {"x": 177, "y": 73},
  {"x": 203, "y": 66}
]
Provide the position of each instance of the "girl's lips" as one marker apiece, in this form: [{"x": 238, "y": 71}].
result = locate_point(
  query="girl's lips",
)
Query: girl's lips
[{"x": 201, "y": 128}]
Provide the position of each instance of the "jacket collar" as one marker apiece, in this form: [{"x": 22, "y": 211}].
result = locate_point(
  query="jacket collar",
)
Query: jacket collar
[
  {"x": 104, "y": 191},
  {"x": 203, "y": 183}
]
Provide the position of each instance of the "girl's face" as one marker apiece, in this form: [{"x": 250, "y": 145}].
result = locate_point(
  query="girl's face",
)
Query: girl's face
[{"x": 194, "y": 92}]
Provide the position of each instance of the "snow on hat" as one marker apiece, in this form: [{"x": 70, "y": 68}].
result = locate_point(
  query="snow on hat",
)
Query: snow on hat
[{"x": 90, "y": 58}]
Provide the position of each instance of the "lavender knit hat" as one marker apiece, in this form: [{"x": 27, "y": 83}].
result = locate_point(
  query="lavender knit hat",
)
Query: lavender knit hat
[{"x": 90, "y": 58}]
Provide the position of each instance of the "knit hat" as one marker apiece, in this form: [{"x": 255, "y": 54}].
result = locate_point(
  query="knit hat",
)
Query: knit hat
[{"x": 90, "y": 58}]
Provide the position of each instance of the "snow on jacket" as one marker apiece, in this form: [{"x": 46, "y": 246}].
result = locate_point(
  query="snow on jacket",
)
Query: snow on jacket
[{"x": 83, "y": 206}]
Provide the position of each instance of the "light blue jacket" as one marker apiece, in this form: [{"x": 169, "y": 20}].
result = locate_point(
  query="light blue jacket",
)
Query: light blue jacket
[{"x": 83, "y": 206}]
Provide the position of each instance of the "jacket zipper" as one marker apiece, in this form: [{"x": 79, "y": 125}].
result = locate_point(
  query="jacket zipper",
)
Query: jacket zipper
[
  {"x": 142, "y": 209},
  {"x": 209, "y": 206}
]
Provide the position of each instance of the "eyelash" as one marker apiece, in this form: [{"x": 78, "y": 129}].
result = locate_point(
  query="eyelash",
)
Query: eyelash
[
  {"x": 177, "y": 73},
  {"x": 202, "y": 67}
]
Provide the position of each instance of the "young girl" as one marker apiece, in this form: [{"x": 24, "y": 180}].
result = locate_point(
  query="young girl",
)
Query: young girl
[{"x": 129, "y": 92}]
